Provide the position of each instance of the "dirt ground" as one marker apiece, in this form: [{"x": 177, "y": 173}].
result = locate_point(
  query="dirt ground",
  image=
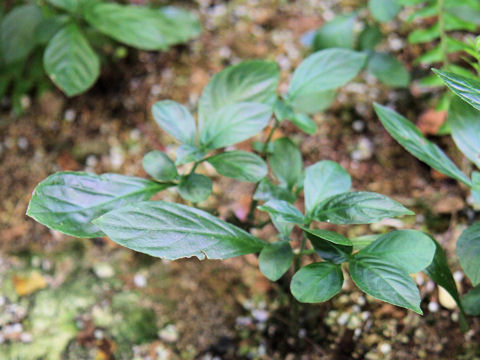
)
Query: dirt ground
[{"x": 90, "y": 299}]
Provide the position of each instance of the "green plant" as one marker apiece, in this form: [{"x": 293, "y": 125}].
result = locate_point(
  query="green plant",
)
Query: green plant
[
  {"x": 340, "y": 32},
  {"x": 63, "y": 33},
  {"x": 464, "y": 119},
  {"x": 444, "y": 38},
  {"x": 235, "y": 105}
]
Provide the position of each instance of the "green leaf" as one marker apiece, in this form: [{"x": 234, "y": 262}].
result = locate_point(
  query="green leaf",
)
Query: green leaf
[
  {"x": 70, "y": 62},
  {"x": 304, "y": 123},
  {"x": 464, "y": 123},
  {"x": 362, "y": 241},
  {"x": 159, "y": 166},
  {"x": 275, "y": 259},
  {"x": 186, "y": 23},
  {"x": 468, "y": 251},
  {"x": 266, "y": 190},
  {"x": 233, "y": 124},
  {"x": 384, "y": 11},
  {"x": 317, "y": 282},
  {"x": 424, "y": 35},
  {"x": 72, "y": 6},
  {"x": 282, "y": 110},
  {"x": 188, "y": 153},
  {"x": 314, "y": 102},
  {"x": 240, "y": 165},
  {"x": 410, "y": 250},
  {"x": 140, "y": 27},
  {"x": 283, "y": 210},
  {"x": 322, "y": 71},
  {"x": 330, "y": 245},
  {"x": 17, "y": 32},
  {"x": 380, "y": 279},
  {"x": 322, "y": 180},
  {"x": 250, "y": 81},
  {"x": 370, "y": 37},
  {"x": 285, "y": 162},
  {"x": 69, "y": 201},
  {"x": 328, "y": 235},
  {"x": 440, "y": 273},
  {"x": 388, "y": 70},
  {"x": 195, "y": 188},
  {"x": 337, "y": 33},
  {"x": 48, "y": 27},
  {"x": 471, "y": 301},
  {"x": 476, "y": 187},
  {"x": 285, "y": 228},
  {"x": 174, "y": 231},
  {"x": 468, "y": 89},
  {"x": 176, "y": 120},
  {"x": 358, "y": 208},
  {"x": 415, "y": 143}
]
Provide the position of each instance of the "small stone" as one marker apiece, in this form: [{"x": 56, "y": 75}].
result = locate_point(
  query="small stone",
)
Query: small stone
[
  {"x": 98, "y": 334},
  {"x": 433, "y": 306},
  {"x": 458, "y": 276},
  {"x": 343, "y": 319},
  {"x": 22, "y": 143},
  {"x": 358, "y": 125},
  {"x": 363, "y": 151},
  {"x": 139, "y": 280},
  {"x": 169, "y": 334},
  {"x": 103, "y": 270},
  {"x": 70, "y": 115},
  {"x": 385, "y": 348},
  {"x": 260, "y": 315}
]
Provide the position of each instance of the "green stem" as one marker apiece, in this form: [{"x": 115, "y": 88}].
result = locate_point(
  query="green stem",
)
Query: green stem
[
  {"x": 443, "y": 33},
  {"x": 269, "y": 137}
]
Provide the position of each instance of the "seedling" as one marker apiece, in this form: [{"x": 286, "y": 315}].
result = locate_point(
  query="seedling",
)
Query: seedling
[{"x": 235, "y": 105}]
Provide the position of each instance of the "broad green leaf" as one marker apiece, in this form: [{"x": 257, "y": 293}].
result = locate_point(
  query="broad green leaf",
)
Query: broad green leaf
[
  {"x": 282, "y": 110},
  {"x": 360, "y": 242},
  {"x": 471, "y": 301},
  {"x": 70, "y": 61},
  {"x": 382, "y": 280},
  {"x": 240, "y": 165},
  {"x": 174, "y": 231},
  {"x": 195, "y": 188},
  {"x": 285, "y": 162},
  {"x": 388, "y": 69},
  {"x": 317, "y": 282},
  {"x": 384, "y": 11},
  {"x": 159, "y": 166},
  {"x": 322, "y": 71},
  {"x": 186, "y": 24},
  {"x": 140, "y": 27},
  {"x": 337, "y": 33},
  {"x": 266, "y": 190},
  {"x": 466, "y": 12},
  {"x": 72, "y": 6},
  {"x": 188, "y": 153},
  {"x": 17, "y": 32},
  {"x": 322, "y": 180},
  {"x": 275, "y": 259},
  {"x": 48, "y": 27},
  {"x": 424, "y": 35},
  {"x": 233, "y": 124},
  {"x": 370, "y": 37},
  {"x": 468, "y": 89},
  {"x": 465, "y": 127},
  {"x": 176, "y": 120},
  {"x": 69, "y": 201},
  {"x": 329, "y": 245},
  {"x": 283, "y": 210},
  {"x": 410, "y": 250},
  {"x": 476, "y": 187},
  {"x": 285, "y": 228},
  {"x": 415, "y": 143},
  {"x": 250, "y": 81},
  {"x": 440, "y": 273},
  {"x": 304, "y": 123},
  {"x": 314, "y": 102},
  {"x": 358, "y": 208},
  {"x": 328, "y": 235},
  {"x": 468, "y": 251}
]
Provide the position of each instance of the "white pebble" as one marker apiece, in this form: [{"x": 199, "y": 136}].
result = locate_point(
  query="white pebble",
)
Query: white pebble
[
  {"x": 343, "y": 319},
  {"x": 385, "y": 348},
  {"x": 139, "y": 280},
  {"x": 433, "y": 306},
  {"x": 22, "y": 143},
  {"x": 458, "y": 276},
  {"x": 260, "y": 315},
  {"x": 70, "y": 115}
]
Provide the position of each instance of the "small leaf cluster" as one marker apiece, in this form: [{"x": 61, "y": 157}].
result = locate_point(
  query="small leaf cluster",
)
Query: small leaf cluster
[
  {"x": 464, "y": 120},
  {"x": 235, "y": 105},
  {"x": 450, "y": 16},
  {"x": 341, "y": 32},
  {"x": 61, "y": 36}
]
